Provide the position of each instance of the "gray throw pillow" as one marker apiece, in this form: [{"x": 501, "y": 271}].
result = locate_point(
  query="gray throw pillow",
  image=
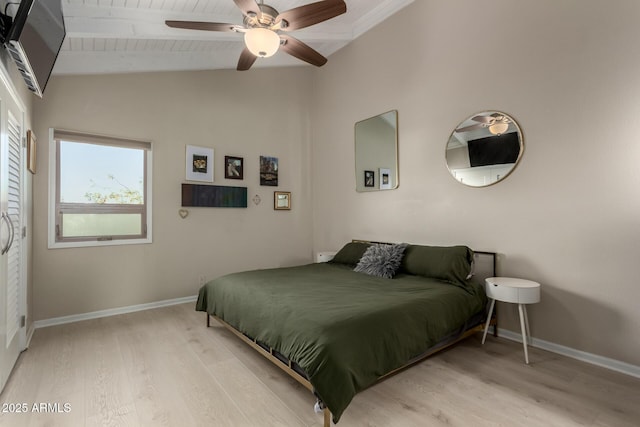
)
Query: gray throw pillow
[{"x": 381, "y": 260}]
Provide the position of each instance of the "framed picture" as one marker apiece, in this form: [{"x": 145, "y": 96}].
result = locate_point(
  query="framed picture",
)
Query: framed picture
[
  {"x": 31, "y": 152},
  {"x": 213, "y": 196},
  {"x": 281, "y": 200},
  {"x": 233, "y": 167},
  {"x": 369, "y": 178},
  {"x": 385, "y": 179},
  {"x": 269, "y": 171},
  {"x": 199, "y": 163}
]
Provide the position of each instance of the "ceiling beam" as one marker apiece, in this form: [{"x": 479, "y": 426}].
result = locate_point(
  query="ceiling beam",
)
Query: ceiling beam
[
  {"x": 76, "y": 63},
  {"x": 130, "y": 23}
]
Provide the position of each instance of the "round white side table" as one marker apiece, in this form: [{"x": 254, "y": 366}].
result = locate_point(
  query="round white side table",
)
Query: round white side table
[
  {"x": 516, "y": 291},
  {"x": 325, "y": 256}
]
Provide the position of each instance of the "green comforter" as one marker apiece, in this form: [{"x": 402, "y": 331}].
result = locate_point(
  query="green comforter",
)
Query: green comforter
[{"x": 345, "y": 329}]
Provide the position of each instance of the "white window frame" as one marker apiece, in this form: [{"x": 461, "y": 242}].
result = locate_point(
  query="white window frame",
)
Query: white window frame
[{"x": 57, "y": 134}]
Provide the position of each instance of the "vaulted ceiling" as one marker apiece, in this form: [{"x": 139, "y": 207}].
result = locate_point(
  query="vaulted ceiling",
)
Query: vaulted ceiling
[{"x": 116, "y": 36}]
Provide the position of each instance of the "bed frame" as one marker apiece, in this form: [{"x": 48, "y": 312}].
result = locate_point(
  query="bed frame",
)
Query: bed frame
[{"x": 484, "y": 266}]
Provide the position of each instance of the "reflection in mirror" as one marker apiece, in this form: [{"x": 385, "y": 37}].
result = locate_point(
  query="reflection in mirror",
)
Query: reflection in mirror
[
  {"x": 484, "y": 149},
  {"x": 376, "y": 141}
]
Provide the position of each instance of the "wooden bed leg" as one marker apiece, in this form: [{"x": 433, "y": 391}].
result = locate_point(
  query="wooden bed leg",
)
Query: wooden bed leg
[
  {"x": 208, "y": 320},
  {"x": 327, "y": 417}
]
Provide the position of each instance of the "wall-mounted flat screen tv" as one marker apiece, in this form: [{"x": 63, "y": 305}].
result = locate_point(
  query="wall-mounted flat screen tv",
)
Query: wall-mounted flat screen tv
[
  {"x": 34, "y": 40},
  {"x": 494, "y": 150}
]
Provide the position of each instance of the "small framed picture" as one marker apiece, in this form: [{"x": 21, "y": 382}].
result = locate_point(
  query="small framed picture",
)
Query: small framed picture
[
  {"x": 385, "y": 179},
  {"x": 281, "y": 200},
  {"x": 369, "y": 179},
  {"x": 31, "y": 152},
  {"x": 233, "y": 167},
  {"x": 269, "y": 171},
  {"x": 199, "y": 163}
]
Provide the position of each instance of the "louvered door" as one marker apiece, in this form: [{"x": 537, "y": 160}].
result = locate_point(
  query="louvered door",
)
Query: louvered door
[
  {"x": 14, "y": 216},
  {"x": 12, "y": 249}
]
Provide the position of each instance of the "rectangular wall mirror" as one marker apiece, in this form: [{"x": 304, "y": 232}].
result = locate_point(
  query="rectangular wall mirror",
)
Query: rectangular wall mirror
[{"x": 376, "y": 143}]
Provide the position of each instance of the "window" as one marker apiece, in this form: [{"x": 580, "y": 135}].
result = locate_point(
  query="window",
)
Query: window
[{"x": 100, "y": 190}]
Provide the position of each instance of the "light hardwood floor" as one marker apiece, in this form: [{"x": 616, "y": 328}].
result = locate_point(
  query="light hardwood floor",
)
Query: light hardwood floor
[{"x": 163, "y": 367}]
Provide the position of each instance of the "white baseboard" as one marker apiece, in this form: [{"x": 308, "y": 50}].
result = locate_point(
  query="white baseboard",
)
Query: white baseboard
[
  {"x": 111, "y": 312},
  {"x": 594, "y": 359},
  {"x": 30, "y": 332}
]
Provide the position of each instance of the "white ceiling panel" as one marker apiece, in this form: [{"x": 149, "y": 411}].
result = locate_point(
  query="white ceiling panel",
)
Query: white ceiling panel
[{"x": 119, "y": 36}]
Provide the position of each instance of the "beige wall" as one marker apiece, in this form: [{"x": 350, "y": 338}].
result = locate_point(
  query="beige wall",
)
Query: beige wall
[
  {"x": 569, "y": 215},
  {"x": 239, "y": 114}
]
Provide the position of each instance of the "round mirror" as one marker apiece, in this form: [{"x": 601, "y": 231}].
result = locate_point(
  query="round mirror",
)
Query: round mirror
[{"x": 484, "y": 149}]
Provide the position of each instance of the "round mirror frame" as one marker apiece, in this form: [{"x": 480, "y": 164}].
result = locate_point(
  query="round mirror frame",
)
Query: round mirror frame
[{"x": 469, "y": 122}]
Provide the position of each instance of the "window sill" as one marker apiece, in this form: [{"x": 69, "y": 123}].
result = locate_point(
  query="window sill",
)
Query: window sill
[{"x": 97, "y": 243}]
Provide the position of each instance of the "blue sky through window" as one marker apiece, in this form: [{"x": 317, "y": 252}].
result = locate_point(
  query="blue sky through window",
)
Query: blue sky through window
[{"x": 87, "y": 168}]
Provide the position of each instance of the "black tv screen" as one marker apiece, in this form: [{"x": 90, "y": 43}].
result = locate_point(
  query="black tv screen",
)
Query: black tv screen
[
  {"x": 35, "y": 39},
  {"x": 494, "y": 150}
]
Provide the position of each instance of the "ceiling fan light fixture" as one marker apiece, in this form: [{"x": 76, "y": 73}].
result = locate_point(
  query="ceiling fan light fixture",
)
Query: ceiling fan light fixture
[
  {"x": 262, "y": 27},
  {"x": 262, "y": 42},
  {"x": 498, "y": 128}
]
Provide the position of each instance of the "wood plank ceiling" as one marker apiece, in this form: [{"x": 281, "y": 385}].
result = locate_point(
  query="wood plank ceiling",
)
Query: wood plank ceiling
[{"x": 116, "y": 36}]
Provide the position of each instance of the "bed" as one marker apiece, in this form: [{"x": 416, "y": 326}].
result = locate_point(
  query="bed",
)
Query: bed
[{"x": 338, "y": 330}]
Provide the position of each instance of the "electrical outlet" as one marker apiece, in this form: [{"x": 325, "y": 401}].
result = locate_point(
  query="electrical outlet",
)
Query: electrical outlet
[{"x": 202, "y": 280}]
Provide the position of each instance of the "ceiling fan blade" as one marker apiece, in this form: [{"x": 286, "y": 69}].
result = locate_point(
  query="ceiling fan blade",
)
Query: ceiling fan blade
[
  {"x": 310, "y": 14},
  {"x": 207, "y": 26},
  {"x": 246, "y": 60},
  {"x": 300, "y": 50},
  {"x": 468, "y": 128},
  {"x": 483, "y": 119},
  {"x": 248, "y": 7}
]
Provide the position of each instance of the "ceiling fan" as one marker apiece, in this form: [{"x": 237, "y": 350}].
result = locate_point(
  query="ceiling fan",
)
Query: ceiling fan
[
  {"x": 496, "y": 122},
  {"x": 262, "y": 27}
]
